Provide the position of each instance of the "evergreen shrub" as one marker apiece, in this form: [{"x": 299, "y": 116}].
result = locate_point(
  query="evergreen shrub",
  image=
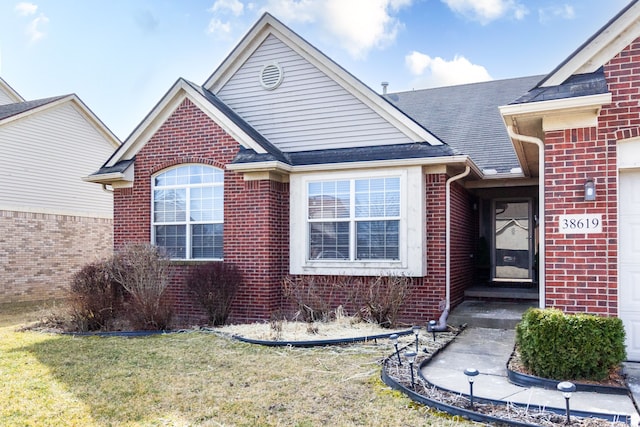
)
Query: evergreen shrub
[{"x": 570, "y": 346}]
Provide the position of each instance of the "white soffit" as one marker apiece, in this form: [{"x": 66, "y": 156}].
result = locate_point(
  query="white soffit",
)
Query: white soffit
[{"x": 608, "y": 42}]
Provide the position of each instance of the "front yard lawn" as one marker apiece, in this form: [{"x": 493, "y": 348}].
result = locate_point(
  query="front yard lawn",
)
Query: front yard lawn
[{"x": 193, "y": 378}]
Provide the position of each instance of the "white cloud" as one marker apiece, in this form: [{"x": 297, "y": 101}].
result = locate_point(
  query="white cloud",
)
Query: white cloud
[
  {"x": 26, "y": 9},
  {"x": 225, "y": 6},
  {"x": 485, "y": 11},
  {"x": 564, "y": 11},
  {"x": 357, "y": 25},
  {"x": 435, "y": 72},
  {"x": 34, "y": 29},
  {"x": 218, "y": 28}
]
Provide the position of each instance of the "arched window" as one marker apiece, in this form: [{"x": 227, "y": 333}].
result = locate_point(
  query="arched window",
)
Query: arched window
[{"x": 188, "y": 212}]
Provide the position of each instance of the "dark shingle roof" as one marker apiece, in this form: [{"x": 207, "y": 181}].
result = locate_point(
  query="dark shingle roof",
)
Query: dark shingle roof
[
  {"x": 467, "y": 117},
  {"x": 358, "y": 154},
  {"x": 577, "y": 85},
  {"x": 241, "y": 123},
  {"x": 10, "y": 110}
]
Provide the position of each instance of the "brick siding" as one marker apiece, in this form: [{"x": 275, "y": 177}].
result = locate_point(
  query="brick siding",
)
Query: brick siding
[
  {"x": 256, "y": 226},
  {"x": 39, "y": 253},
  {"x": 581, "y": 269}
]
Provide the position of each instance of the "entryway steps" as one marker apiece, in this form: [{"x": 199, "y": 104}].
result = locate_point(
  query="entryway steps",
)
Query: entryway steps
[
  {"x": 507, "y": 293},
  {"x": 489, "y": 314}
]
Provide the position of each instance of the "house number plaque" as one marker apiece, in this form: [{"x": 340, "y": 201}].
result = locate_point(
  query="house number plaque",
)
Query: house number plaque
[{"x": 580, "y": 224}]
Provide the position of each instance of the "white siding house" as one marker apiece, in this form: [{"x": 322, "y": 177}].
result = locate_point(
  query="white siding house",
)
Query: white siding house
[{"x": 51, "y": 222}]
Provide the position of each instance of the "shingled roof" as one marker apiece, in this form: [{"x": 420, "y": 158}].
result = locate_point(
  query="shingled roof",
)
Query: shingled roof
[
  {"x": 10, "y": 110},
  {"x": 467, "y": 118}
]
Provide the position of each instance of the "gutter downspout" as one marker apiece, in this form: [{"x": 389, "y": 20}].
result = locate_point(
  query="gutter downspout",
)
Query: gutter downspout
[
  {"x": 448, "y": 237},
  {"x": 541, "y": 209}
]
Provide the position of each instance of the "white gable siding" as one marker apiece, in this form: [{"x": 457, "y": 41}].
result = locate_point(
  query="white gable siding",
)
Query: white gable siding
[
  {"x": 308, "y": 111},
  {"x": 44, "y": 157},
  {"x": 5, "y": 98}
]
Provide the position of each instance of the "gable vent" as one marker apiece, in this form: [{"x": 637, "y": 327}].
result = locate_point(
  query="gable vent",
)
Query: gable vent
[{"x": 271, "y": 76}]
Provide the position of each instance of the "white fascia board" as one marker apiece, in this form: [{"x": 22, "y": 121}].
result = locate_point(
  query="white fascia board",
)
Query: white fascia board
[
  {"x": 269, "y": 25},
  {"x": 165, "y": 108},
  {"x": 80, "y": 106},
  {"x": 565, "y": 105},
  {"x": 608, "y": 43},
  {"x": 325, "y": 167},
  {"x": 10, "y": 91},
  {"x": 105, "y": 178}
]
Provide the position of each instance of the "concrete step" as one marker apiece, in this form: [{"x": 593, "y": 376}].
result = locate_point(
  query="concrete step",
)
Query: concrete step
[
  {"x": 489, "y": 314},
  {"x": 504, "y": 293}
]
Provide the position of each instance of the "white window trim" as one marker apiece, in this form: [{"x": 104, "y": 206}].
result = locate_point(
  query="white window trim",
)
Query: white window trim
[
  {"x": 412, "y": 231},
  {"x": 188, "y": 248}
]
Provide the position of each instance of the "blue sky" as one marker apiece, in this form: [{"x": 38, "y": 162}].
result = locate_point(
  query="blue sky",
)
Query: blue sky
[{"x": 121, "y": 56}]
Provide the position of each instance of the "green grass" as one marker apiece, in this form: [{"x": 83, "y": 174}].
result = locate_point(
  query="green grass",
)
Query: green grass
[{"x": 191, "y": 379}]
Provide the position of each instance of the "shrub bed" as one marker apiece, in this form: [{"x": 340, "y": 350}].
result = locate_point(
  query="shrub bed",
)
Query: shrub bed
[{"x": 570, "y": 346}]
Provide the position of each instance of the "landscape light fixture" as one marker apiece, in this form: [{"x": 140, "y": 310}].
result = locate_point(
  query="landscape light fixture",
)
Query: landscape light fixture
[
  {"x": 394, "y": 340},
  {"x": 416, "y": 331},
  {"x": 567, "y": 388},
  {"x": 411, "y": 358},
  {"x": 589, "y": 190},
  {"x": 432, "y": 328},
  {"x": 471, "y": 374}
]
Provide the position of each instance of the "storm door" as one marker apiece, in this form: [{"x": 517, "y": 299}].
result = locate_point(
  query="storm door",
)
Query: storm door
[{"x": 512, "y": 259}]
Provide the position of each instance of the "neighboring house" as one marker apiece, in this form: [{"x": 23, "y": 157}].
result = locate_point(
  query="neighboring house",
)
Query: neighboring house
[
  {"x": 51, "y": 222},
  {"x": 284, "y": 163}
]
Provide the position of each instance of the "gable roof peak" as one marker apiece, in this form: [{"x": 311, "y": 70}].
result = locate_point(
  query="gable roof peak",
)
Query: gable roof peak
[
  {"x": 10, "y": 92},
  {"x": 607, "y": 42}
]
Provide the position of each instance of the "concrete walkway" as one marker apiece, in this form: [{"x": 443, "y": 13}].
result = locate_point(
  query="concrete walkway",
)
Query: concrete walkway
[{"x": 488, "y": 351}]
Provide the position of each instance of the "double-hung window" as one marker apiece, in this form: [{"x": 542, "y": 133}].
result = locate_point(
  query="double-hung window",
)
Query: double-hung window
[
  {"x": 354, "y": 219},
  {"x": 188, "y": 212}
]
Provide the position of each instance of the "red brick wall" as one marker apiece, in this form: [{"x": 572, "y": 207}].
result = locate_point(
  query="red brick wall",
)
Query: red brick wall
[
  {"x": 256, "y": 213},
  {"x": 581, "y": 269},
  {"x": 256, "y": 228},
  {"x": 464, "y": 238}
]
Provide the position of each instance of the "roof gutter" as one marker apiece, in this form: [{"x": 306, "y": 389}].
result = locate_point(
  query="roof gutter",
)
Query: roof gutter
[
  {"x": 420, "y": 161},
  {"x": 466, "y": 172},
  {"x": 541, "y": 208}
]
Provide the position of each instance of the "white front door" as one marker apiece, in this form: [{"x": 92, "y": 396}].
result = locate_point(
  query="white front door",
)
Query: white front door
[{"x": 629, "y": 259}]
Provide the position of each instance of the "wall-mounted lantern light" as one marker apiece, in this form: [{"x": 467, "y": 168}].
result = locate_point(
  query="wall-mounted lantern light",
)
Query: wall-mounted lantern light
[{"x": 589, "y": 190}]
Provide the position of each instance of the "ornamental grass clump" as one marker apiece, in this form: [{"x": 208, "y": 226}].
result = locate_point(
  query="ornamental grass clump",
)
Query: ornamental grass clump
[{"x": 570, "y": 346}]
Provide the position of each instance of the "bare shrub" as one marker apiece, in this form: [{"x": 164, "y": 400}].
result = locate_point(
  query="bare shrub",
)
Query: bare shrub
[
  {"x": 96, "y": 298},
  {"x": 314, "y": 295},
  {"x": 142, "y": 270},
  {"x": 381, "y": 298},
  {"x": 215, "y": 284}
]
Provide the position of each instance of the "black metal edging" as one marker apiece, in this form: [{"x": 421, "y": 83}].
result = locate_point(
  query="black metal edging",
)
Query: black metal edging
[
  {"x": 453, "y": 410},
  {"x": 526, "y": 380},
  {"x": 319, "y": 343},
  {"x": 476, "y": 416},
  {"x": 126, "y": 334}
]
